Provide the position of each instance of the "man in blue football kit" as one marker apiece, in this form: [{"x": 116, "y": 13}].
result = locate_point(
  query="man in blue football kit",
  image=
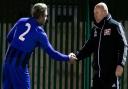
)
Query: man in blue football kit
[{"x": 25, "y": 35}]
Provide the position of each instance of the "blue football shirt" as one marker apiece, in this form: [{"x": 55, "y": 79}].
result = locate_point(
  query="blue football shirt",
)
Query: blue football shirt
[{"x": 24, "y": 37}]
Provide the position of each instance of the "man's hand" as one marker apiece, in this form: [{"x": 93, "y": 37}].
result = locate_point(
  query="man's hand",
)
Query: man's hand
[
  {"x": 72, "y": 57},
  {"x": 119, "y": 71}
]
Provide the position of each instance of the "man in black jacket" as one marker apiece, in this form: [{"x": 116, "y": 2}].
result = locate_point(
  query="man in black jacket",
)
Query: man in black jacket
[{"x": 108, "y": 44}]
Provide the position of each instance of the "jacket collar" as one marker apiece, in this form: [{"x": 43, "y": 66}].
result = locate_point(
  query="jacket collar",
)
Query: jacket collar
[{"x": 102, "y": 22}]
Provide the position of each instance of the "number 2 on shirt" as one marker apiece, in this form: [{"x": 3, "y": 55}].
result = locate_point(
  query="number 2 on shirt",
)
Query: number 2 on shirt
[{"x": 21, "y": 37}]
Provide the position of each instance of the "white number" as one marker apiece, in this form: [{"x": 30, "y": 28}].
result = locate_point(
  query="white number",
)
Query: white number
[{"x": 21, "y": 37}]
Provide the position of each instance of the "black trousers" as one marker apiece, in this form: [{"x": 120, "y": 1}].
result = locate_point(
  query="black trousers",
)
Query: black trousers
[{"x": 105, "y": 83}]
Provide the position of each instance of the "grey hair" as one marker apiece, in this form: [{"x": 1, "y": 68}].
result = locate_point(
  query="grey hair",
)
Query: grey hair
[{"x": 38, "y": 9}]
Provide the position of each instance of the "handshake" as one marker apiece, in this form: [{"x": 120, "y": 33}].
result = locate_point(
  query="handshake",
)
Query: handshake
[{"x": 72, "y": 57}]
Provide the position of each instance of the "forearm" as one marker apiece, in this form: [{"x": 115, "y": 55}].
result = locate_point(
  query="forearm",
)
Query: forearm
[
  {"x": 57, "y": 55},
  {"x": 83, "y": 53},
  {"x": 122, "y": 54},
  {"x": 45, "y": 44}
]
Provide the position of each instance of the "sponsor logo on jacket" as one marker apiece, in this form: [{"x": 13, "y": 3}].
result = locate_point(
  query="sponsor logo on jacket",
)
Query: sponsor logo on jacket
[{"x": 107, "y": 32}]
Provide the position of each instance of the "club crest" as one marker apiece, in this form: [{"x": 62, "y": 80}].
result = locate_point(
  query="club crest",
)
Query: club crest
[{"x": 107, "y": 32}]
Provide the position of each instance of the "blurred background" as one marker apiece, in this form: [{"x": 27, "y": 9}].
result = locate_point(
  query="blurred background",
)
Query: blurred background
[{"x": 68, "y": 28}]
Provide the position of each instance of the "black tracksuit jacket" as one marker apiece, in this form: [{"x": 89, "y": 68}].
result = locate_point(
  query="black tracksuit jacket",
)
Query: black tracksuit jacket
[{"x": 108, "y": 44}]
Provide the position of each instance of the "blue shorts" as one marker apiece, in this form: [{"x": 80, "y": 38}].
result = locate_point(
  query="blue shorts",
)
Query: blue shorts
[{"x": 15, "y": 77}]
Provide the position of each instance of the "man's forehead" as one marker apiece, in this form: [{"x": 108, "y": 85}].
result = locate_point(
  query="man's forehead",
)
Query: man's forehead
[{"x": 98, "y": 9}]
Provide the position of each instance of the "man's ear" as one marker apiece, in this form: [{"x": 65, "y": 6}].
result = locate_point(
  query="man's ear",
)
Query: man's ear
[
  {"x": 39, "y": 18},
  {"x": 105, "y": 13}
]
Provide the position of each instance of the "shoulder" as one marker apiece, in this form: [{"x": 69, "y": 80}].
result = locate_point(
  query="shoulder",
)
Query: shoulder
[
  {"x": 23, "y": 20},
  {"x": 118, "y": 27},
  {"x": 114, "y": 23},
  {"x": 40, "y": 29}
]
